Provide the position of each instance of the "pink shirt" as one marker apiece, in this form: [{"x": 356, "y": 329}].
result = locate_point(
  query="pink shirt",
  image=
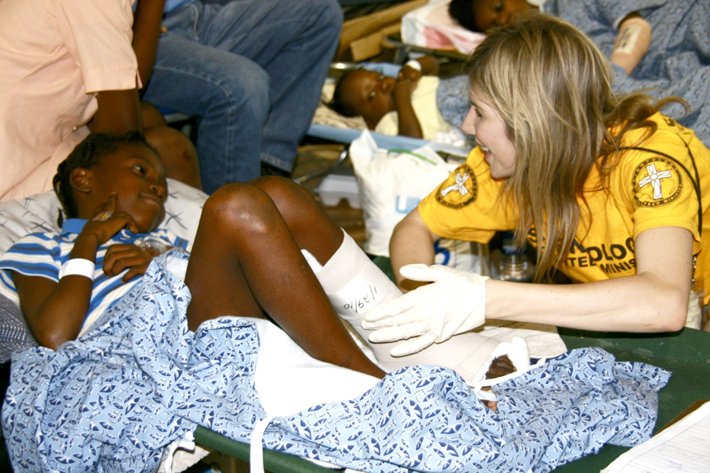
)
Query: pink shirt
[{"x": 54, "y": 56}]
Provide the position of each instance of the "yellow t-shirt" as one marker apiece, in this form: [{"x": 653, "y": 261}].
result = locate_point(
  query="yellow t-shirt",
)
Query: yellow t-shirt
[{"x": 650, "y": 188}]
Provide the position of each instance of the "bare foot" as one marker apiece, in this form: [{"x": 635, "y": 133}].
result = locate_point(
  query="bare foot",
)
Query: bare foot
[{"x": 500, "y": 366}]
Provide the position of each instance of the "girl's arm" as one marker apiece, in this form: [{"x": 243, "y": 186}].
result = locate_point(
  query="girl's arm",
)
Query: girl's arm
[
  {"x": 406, "y": 83},
  {"x": 55, "y": 311}
]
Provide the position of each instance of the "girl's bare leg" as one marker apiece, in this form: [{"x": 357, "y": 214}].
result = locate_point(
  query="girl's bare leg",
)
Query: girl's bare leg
[
  {"x": 348, "y": 275},
  {"x": 245, "y": 260},
  {"x": 307, "y": 221}
]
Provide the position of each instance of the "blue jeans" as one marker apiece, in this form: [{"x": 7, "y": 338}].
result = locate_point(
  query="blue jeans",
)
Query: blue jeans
[{"x": 252, "y": 71}]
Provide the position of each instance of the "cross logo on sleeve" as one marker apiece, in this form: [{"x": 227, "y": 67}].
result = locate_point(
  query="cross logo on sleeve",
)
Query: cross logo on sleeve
[
  {"x": 656, "y": 182},
  {"x": 654, "y": 179},
  {"x": 459, "y": 186},
  {"x": 459, "y": 189}
]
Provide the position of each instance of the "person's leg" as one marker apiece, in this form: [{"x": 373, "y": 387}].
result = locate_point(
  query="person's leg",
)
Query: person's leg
[
  {"x": 293, "y": 42},
  {"x": 175, "y": 149},
  {"x": 244, "y": 259},
  {"x": 229, "y": 93},
  {"x": 354, "y": 284},
  {"x": 177, "y": 153}
]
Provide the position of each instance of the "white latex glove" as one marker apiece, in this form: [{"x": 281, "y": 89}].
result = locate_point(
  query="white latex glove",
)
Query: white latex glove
[{"x": 455, "y": 302}]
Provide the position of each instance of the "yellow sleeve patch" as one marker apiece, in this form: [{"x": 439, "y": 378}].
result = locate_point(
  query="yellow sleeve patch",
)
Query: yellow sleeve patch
[
  {"x": 459, "y": 189},
  {"x": 656, "y": 182}
]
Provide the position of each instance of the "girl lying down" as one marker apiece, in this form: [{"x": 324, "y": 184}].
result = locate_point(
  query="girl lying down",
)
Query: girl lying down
[{"x": 139, "y": 344}]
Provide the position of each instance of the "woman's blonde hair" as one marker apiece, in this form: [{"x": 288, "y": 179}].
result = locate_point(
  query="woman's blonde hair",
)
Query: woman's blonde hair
[{"x": 552, "y": 87}]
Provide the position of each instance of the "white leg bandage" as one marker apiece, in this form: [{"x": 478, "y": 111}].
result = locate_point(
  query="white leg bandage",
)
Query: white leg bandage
[{"x": 354, "y": 284}]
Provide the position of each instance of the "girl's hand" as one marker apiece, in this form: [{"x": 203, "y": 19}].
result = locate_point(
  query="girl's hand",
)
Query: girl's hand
[
  {"x": 407, "y": 80},
  {"x": 132, "y": 257},
  {"x": 403, "y": 92},
  {"x": 407, "y": 73},
  {"x": 105, "y": 223}
]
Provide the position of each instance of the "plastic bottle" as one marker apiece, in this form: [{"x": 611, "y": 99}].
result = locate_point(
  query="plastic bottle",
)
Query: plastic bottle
[{"x": 514, "y": 264}]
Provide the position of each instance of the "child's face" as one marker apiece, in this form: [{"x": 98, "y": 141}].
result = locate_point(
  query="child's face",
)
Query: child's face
[
  {"x": 371, "y": 94},
  {"x": 487, "y": 125},
  {"x": 490, "y": 13},
  {"x": 137, "y": 176}
]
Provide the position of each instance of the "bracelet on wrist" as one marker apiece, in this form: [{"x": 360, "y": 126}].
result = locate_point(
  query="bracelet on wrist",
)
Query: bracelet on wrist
[{"x": 78, "y": 267}]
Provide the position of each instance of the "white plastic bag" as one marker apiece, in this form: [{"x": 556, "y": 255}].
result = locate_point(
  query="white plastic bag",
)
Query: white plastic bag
[{"x": 392, "y": 182}]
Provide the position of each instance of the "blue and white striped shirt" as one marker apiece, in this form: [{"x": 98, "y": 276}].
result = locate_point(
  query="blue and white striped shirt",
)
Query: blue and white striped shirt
[{"x": 43, "y": 254}]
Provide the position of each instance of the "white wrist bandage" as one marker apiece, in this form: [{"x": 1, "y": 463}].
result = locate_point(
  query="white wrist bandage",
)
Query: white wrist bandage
[
  {"x": 414, "y": 65},
  {"x": 78, "y": 267}
]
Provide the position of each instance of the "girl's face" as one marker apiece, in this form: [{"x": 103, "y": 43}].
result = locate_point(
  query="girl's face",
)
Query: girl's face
[
  {"x": 371, "y": 93},
  {"x": 490, "y": 13},
  {"x": 137, "y": 176},
  {"x": 486, "y": 124}
]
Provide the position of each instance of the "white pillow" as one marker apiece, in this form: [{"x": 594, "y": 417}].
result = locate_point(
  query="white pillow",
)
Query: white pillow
[{"x": 39, "y": 213}]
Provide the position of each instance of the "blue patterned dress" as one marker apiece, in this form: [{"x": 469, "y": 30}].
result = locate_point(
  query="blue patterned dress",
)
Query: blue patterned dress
[{"x": 112, "y": 400}]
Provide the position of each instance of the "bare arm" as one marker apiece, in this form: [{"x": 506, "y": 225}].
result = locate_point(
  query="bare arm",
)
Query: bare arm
[
  {"x": 55, "y": 311},
  {"x": 632, "y": 42},
  {"x": 406, "y": 83},
  {"x": 146, "y": 31},
  {"x": 411, "y": 242},
  {"x": 654, "y": 300},
  {"x": 429, "y": 64},
  {"x": 119, "y": 111}
]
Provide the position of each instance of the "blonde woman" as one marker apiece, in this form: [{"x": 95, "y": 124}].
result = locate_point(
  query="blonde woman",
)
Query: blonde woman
[{"x": 610, "y": 192}]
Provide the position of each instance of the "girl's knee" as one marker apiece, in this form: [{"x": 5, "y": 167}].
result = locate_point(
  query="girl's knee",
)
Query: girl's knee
[
  {"x": 238, "y": 207},
  {"x": 284, "y": 192}
]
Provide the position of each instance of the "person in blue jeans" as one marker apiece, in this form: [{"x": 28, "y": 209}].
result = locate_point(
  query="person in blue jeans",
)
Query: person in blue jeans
[{"x": 252, "y": 71}]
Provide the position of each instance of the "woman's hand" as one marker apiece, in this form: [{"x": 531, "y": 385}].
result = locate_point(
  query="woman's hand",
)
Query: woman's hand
[{"x": 454, "y": 302}]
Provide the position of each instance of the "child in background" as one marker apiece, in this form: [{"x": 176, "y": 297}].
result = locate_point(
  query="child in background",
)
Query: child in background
[{"x": 409, "y": 105}]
